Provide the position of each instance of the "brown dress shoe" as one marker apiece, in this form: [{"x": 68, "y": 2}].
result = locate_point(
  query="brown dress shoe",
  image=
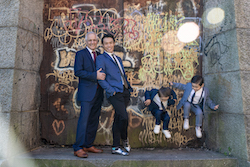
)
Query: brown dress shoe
[
  {"x": 93, "y": 150},
  {"x": 80, "y": 153}
]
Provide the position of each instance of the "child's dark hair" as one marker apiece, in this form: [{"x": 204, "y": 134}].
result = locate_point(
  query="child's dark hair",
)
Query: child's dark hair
[
  {"x": 108, "y": 36},
  {"x": 197, "y": 79},
  {"x": 164, "y": 91}
]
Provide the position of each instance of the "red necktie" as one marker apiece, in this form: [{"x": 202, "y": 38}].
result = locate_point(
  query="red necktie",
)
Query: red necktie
[
  {"x": 94, "y": 61},
  {"x": 94, "y": 55}
]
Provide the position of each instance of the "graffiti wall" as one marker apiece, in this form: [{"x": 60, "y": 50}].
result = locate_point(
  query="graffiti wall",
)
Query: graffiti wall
[{"x": 146, "y": 40}]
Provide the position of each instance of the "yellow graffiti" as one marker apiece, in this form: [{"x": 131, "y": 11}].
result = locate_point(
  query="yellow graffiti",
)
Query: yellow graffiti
[
  {"x": 73, "y": 24},
  {"x": 147, "y": 136},
  {"x": 58, "y": 126},
  {"x": 65, "y": 77},
  {"x": 67, "y": 59},
  {"x": 167, "y": 64},
  {"x": 106, "y": 129},
  {"x": 64, "y": 88},
  {"x": 58, "y": 106},
  {"x": 161, "y": 58}
]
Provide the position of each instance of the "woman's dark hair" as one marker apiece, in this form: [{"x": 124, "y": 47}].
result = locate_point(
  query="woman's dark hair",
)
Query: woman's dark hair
[{"x": 197, "y": 79}]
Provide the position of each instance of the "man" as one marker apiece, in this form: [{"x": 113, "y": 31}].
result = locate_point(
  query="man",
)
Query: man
[
  {"x": 117, "y": 91},
  {"x": 90, "y": 94}
]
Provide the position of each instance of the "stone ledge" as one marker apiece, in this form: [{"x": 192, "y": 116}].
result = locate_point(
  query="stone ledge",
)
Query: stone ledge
[{"x": 63, "y": 157}]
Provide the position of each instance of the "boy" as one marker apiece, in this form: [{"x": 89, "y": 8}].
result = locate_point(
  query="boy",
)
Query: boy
[
  {"x": 194, "y": 98},
  {"x": 158, "y": 101}
]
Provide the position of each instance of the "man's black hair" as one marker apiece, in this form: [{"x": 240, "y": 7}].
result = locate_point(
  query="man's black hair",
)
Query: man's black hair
[
  {"x": 164, "y": 92},
  {"x": 108, "y": 36},
  {"x": 197, "y": 79}
]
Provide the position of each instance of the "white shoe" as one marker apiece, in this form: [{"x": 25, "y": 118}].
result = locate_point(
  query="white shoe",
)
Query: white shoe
[
  {"x": 117, "y": 150},
  {"x": 157, "y": 129},
  {"x": 198, "y": 132},
  {"x": 166, "y": 133},
  {"x": 126, "y": 145},
  {"x": 186, "y": 124}
]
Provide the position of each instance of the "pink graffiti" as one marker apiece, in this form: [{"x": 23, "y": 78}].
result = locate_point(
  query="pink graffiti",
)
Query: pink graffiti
[{"x": 79, "y": 20}]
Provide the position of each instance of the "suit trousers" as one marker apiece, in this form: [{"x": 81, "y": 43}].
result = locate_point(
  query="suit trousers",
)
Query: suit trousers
[
  {"x": 88, "y": 121},
  {"x": 161, "y": 115},
  {"x": 120, "y": 125},
  {"x": 197, "y": 111}
]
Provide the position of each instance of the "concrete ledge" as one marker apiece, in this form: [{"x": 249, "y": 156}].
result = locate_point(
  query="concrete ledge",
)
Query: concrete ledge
[{"x": 63, "y": 157}]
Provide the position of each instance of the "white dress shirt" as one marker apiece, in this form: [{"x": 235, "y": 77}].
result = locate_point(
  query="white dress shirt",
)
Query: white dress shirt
[
  {"x": 158, "y": 101},
  {"x": 197, "y": 96},
  {"x": 91, "y": 52},
  {"x": 119, "y": 65}
]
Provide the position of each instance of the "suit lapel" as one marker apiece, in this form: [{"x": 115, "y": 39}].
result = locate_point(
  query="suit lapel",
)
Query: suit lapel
[
  {"x": 108, "y": 57},
  {"x": 90, "y": 58},
  {"x": 153, "y": 94}
]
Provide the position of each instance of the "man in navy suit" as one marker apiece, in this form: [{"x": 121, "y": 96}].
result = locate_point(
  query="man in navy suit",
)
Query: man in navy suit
[
  {"x": 90, "y": 94},
  {"x": 117, "y": 91}
]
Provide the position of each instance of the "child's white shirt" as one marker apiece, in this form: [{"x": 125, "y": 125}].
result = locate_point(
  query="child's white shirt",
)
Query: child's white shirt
[
  {"x": 196, "y": 97},
  {"x": 157, "y": 100}
]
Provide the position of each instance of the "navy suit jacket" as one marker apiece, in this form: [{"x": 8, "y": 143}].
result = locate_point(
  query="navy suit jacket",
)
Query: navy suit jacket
[
  {"x": 187, "y": 90},
  {"x": 113, "y": 81},
  {"x": 85, "y": 69},
  {"x": 151, "y": 94}
]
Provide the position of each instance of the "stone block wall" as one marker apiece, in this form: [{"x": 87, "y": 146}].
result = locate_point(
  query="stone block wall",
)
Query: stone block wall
[
  {"x": 21, "y": 44},
  {"x": 226, "y": 72}
]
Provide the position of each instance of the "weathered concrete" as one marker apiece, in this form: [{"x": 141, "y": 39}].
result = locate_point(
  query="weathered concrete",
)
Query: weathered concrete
[
  {"x": 21, "y": 30},
  {"x": 4, "y": 131},
  {"x": 226, "y": 72},
  {"x": 63, "y": 157}
]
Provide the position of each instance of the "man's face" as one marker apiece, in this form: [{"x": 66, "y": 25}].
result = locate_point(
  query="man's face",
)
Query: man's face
[
  {"x": 92, "y": 41},
  {"x": 108, "y": 44},
  {"x": 197, "y": 87}
]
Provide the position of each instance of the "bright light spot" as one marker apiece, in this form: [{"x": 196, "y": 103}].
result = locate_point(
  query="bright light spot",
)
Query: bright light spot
[
  {"x": 170, "y": 43},
  {"x": 215, "y": 16},
  {"x": 11, "y": 149},
  {"x": 188, "y": 32}
]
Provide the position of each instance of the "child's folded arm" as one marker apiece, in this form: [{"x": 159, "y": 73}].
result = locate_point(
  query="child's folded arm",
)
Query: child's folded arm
[
  {"x": 179, "y": 86},
  {"x": 147, "y": 95}
]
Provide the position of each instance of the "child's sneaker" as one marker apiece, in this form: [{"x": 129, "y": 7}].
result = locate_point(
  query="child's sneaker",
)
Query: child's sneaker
[
  {"x": 157, "y": 129},
  {"x": 198, "y": 132},
  {"x": 166, "y": 133},
  {"x": 186, "y": 124}
]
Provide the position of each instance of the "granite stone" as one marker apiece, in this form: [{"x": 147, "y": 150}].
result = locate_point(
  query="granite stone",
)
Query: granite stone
[
  {"x": 8, "y": 47},
  {"x": 26, "y": 90},
  {"x": 243, "y": 43},
  {"x": 228, "y": 21},
  {"x": 242, "y": 11},
  {"x": 6, "y": 89},
  {"x": 225, "y": 90},
  {"x": 29, "y": 50},
  {"x": 9, "y": 13},
  {"x": 220, "y": 53}
]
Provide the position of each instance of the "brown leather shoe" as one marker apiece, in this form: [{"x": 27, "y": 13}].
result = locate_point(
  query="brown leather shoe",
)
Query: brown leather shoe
[
  {"x": 93, "y": 150},
  {"x": 80, "y": 153}
]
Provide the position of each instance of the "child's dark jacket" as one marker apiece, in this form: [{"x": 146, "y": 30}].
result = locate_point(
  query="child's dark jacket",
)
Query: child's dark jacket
[{"x": 151, "y": 94}]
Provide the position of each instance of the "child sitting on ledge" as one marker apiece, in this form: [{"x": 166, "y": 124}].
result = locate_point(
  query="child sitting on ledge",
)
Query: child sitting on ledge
[{"x": 158, "y": 101}]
